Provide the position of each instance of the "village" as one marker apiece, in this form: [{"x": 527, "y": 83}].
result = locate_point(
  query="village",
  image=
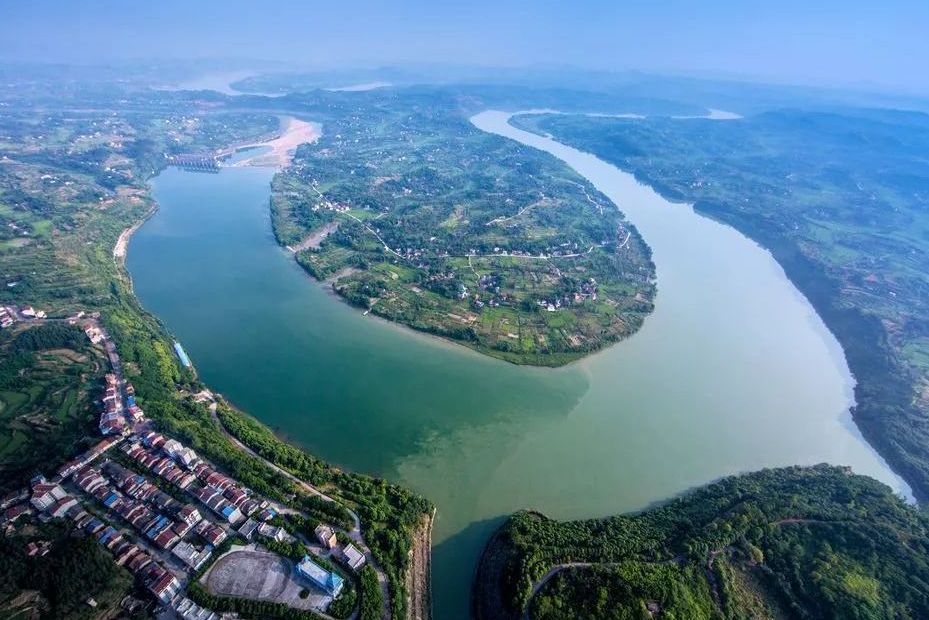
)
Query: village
[{"x": 170, "y": 517}]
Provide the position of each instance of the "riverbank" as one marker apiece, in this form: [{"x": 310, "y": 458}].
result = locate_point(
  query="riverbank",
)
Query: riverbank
[
  {"x": 279, "y": 152},
  {"x": 419, "y": 575},
  {"x": 122, "y": 242}
]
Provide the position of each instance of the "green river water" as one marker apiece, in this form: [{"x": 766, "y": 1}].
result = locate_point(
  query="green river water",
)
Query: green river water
[{"x": 734, "y": 370}]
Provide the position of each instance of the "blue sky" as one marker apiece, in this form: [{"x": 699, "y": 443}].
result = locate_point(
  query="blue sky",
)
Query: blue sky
[{"x": 879, "y": 43}]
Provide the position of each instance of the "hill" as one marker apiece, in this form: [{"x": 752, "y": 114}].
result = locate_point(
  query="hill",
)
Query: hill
[{"x": 797, "y": 542}]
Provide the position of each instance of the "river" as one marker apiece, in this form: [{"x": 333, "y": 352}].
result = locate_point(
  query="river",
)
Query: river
[{"x": 734, "y": 371}]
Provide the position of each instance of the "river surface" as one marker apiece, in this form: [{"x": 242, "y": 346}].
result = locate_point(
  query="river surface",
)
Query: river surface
[{"x": 734, "y": 371}]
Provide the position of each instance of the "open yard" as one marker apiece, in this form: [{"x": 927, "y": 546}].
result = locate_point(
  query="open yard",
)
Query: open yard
[{"x": 249, "y": 573}]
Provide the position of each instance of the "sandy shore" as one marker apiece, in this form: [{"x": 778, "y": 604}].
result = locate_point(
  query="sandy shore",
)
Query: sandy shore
[
  {"x": 122, "y": 243},
  {"x": 282, "y": 148}
]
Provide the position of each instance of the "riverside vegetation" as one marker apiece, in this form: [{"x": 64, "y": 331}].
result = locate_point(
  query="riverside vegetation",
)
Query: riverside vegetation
[
  {"x": 74, "y": 171},
  {"x": 838, "y": 196},
  {"x": 784, "y": 543}
]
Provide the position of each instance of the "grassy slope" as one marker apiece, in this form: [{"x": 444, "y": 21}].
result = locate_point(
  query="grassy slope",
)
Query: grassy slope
[
  {"x": 839, "y": 199},
  {"x": 795, "y": 542}
]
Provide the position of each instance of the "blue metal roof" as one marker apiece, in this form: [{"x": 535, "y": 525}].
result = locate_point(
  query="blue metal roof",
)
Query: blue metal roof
[
  {"x": 94, "y": 523},
  {"x": 106, "y": 534},
  {"x": 327, "y": 580},
  {"x": 181, "y": 354}
]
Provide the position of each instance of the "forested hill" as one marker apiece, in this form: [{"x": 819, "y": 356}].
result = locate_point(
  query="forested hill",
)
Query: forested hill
[{"x": 814, "y": 542}]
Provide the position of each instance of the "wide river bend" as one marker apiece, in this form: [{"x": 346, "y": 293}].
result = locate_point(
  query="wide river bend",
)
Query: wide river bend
[{"x": 734, "y": 371}]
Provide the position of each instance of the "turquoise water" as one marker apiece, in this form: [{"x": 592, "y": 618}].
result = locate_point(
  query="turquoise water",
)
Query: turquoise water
[{"x": 733, "y": 371}]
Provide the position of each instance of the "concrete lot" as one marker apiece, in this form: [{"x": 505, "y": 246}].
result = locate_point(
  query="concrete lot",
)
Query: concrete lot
[{"x": 250, "y": 573}]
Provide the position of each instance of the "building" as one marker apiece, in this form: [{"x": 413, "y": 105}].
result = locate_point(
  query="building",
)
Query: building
[
  {"x": 84, "y": 459},
  {"x": 14, "y": 512},
  {"x": 186, "y": 457},
  {"x": 153, "y": 440},
  {"x": 45, "y": 494},
  {"x": 214, "y": 499},
  {"x": 165, "y": 587},
  {"x": 181, "y": 354},
  {"x": 326, "y": 536},
  {"x": 94, "y": 334},
  {"x": 211, "y": 532},
  {"x": 189, "y": 515},
  {"x": 14, "y": 497},
  {"x": 274, "y": 533},
  {"x": 267, "y": 514},
  {"x": 329, "y": 582},
  {"x": 39, "y": 549},
  {"x": 172, "y": 447},
  {"x": 248, "y": 528},
  {"x": 186, "y": 609},
  {"x": 354, "y": 558},
  {"x": 62, "y": 506},
  {"x": 6, "y": 318},
  {"x": 190, "y": 555}
]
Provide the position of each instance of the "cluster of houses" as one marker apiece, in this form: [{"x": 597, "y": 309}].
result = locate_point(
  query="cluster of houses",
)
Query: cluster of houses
[
  {"x": 119, "y": 409},
  {"x": 112, "y": 419},
  {"x": 180, "y": 466},
  {"x": 172, "y": 532},
  {"x": 53, "y": 501},
  {"x": 7, "y": 316},
  {"x": 85, "y": 458},
  {"x": 165, "y": 524},
  {"x": 259, "y": 526},
  {"x": 94, "y": 333},
  {"x": 328, "y": 205},
  {"x": 11, "y": 314},
  {"x": 157, "y": 516},
  {"x": 17, "y": 229},
  {"x": 350, "y": 554},
  {"x": 14, "y": 505},
  {"x": 586, "y": 291}
]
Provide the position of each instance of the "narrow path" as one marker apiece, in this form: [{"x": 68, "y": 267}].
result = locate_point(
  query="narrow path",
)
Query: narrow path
[
  {"x": 557, "y": 568},
  {"x": 314, "y": 239},
  {"x": 366, "y": 227},
  {"x": 554, "y": 570},
  {"x": 354, "y": 533}
]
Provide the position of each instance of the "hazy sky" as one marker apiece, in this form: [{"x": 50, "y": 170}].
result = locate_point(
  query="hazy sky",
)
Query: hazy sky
[{"x": 878, "y": 42}]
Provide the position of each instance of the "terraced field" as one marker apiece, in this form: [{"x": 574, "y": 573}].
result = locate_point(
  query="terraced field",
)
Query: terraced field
[
  {"x": 46, "y": 407},
  {"x": 433, "y": 224}
]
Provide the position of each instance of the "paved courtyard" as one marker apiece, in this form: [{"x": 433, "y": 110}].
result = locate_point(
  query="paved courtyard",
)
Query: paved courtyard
[{"x": 249, "y": 573}]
